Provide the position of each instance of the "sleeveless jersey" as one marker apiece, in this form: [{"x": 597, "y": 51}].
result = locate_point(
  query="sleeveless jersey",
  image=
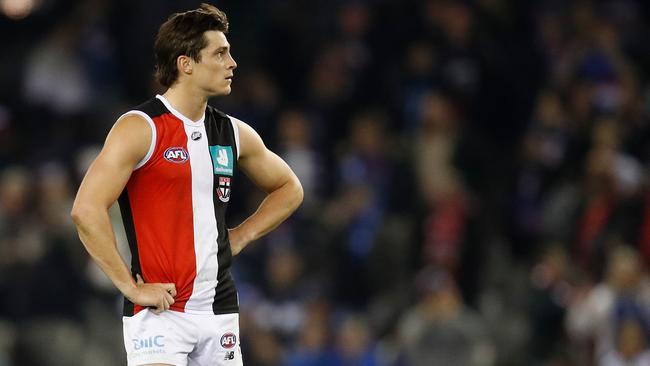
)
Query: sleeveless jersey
[{"x": 174, "y": 204}]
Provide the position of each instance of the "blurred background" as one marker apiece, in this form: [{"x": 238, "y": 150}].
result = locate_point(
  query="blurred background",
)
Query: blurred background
[{"x": 476, "y": 178}]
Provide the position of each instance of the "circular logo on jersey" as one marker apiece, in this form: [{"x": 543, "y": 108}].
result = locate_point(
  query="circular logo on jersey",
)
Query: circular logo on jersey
[
  {"x": 176, "y": 155},
  {"x": 228, "y": 340},
  {"x": 196, "y": 135}
]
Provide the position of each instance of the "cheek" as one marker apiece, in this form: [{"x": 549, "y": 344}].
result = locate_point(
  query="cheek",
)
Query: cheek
[{"x": 216, "y": 69}]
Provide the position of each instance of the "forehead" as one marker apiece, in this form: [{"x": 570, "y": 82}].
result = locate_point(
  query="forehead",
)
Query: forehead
[{"x": 215, "y": 39}]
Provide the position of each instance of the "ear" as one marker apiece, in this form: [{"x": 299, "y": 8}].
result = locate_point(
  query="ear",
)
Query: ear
[{"x": 184, "y": 64}]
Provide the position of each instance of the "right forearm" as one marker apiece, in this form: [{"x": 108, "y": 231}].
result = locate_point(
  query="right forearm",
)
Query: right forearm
[{"x": 96, "y": 233}]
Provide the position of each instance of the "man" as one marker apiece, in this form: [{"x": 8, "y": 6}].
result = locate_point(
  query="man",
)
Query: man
[{"x": 171, "y": 162}]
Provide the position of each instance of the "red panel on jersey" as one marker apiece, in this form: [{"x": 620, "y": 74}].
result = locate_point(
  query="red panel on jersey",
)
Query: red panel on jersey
[{"x": 160, "y": 192}]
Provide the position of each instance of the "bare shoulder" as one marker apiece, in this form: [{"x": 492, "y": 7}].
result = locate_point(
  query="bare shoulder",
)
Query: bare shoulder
[
  {"x": 129, "y": 138},
  {"x": 126, "y": 145},
  {"x": 132, "y": 123}
]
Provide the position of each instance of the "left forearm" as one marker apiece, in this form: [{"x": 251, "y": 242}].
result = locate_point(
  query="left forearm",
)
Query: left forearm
[{"x": 273, "y": 210}]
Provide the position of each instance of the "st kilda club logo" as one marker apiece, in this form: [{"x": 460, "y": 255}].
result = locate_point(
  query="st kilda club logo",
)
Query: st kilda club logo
[
  {"x": 223, "y": 191},
  {"x": 176, "y": 155},
  {"x": 228, "y": 340}
]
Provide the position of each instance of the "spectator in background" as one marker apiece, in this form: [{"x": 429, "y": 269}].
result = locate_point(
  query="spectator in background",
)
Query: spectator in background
[
  {"x": 264, "y": 349},
  {"x": 440, "y": 184},
  {"x": 39, "y": 265},
  {"x": 297, "y": 149},
  {"x": 9, "y": 141},
  {"x": 71, "y": 77},
  {"x": 275, "y": 310},
  {"x": 312, "y": 348},
  {"x": 15, "y": 193},
  {"x": 451, "y": 24},
  {"x": 53, "y": 186},
  {"x": 360, "y": 207},
  {"x": 631, "y": 344},
  {"x": 60, "y": 272},
  {"x": 448, "y": 204},
  {"x": 353, "y": 343},
  {"x": 281, "y": 309},
  {"x": 55, "y": 75},
  {"x": 354, "y": 24},
  {"x": 22, "y": 244},
  {"x": 544, "y": 153},
  {"x": 592, "y": 313},
  {"x": 7, "y": 341},
  {"x": 417, "y": 81},
  {"x": 547, "y": 304},
  {"x": 440, "y": 329},
  {"x": 644, "y": 225},
  {"x": 611, "y": 180}
]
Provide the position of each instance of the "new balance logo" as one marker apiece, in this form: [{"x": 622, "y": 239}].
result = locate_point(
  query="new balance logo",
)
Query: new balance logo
[{"x": 230, "y": 355}]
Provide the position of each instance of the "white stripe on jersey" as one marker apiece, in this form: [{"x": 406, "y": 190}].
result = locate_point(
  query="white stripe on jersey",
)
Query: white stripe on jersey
[{"x": 205, "y": 222}]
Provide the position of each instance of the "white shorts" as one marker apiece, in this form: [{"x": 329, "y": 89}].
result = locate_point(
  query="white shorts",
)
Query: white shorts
[{"x": 182, "y": 339}]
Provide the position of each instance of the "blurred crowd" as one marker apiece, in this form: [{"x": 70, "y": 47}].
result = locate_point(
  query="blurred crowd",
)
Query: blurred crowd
[{"x": 475, "y": 174}]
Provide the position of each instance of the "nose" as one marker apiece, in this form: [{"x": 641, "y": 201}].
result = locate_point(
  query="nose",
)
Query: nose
[{"x": 233, "y": 63}]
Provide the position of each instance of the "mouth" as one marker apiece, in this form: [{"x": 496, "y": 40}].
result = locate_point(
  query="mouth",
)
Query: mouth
[{"x": 229, "y": 77}]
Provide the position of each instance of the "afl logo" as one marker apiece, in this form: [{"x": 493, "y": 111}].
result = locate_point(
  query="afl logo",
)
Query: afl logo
[
  {"x": 176, "y": 155},
  {"x": 228, "y": 340}
]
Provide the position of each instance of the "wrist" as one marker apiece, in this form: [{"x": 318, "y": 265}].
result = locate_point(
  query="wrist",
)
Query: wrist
[
  {"x": 242, "y": 235},
  {"x": 246, "y": 237},
  {"x": 128, "y": 290},
  {"x": 239, "y": 237}
]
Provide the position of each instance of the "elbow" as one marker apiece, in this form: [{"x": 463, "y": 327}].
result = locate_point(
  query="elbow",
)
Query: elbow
[
  {"x": 76, "y": 214},
  {"x": 299, "y": 193},
  {"x": 80, "y": 212}
]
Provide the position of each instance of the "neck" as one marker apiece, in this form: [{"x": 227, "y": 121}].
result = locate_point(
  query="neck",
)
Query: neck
[{"x": 190, "y": 103}]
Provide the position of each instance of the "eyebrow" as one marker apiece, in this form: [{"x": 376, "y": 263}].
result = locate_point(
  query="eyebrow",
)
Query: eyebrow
[{"x": 220, "y": 49}]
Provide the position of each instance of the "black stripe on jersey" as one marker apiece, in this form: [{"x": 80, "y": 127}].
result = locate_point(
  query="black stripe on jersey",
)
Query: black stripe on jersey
[
  {"x": 153, "y": 108},
  {"x": 219, "y": 132},
  {"x": 225, "y": 298},
  {"x": 129, "y": 228}
]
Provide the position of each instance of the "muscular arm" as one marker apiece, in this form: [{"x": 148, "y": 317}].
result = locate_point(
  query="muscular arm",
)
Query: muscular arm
[
  {"x": 126, "y": 144},
  {"x": 271, "y": 174}
]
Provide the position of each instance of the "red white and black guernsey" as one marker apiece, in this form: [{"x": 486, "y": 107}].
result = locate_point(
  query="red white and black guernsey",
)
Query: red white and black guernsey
[{"x": 174, "y": 205}]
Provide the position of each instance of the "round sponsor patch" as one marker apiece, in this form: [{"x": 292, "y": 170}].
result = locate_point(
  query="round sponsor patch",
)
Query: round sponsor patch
[
  {"x": 228, "y": 340},
  {"x": 176, "y": 155}
]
